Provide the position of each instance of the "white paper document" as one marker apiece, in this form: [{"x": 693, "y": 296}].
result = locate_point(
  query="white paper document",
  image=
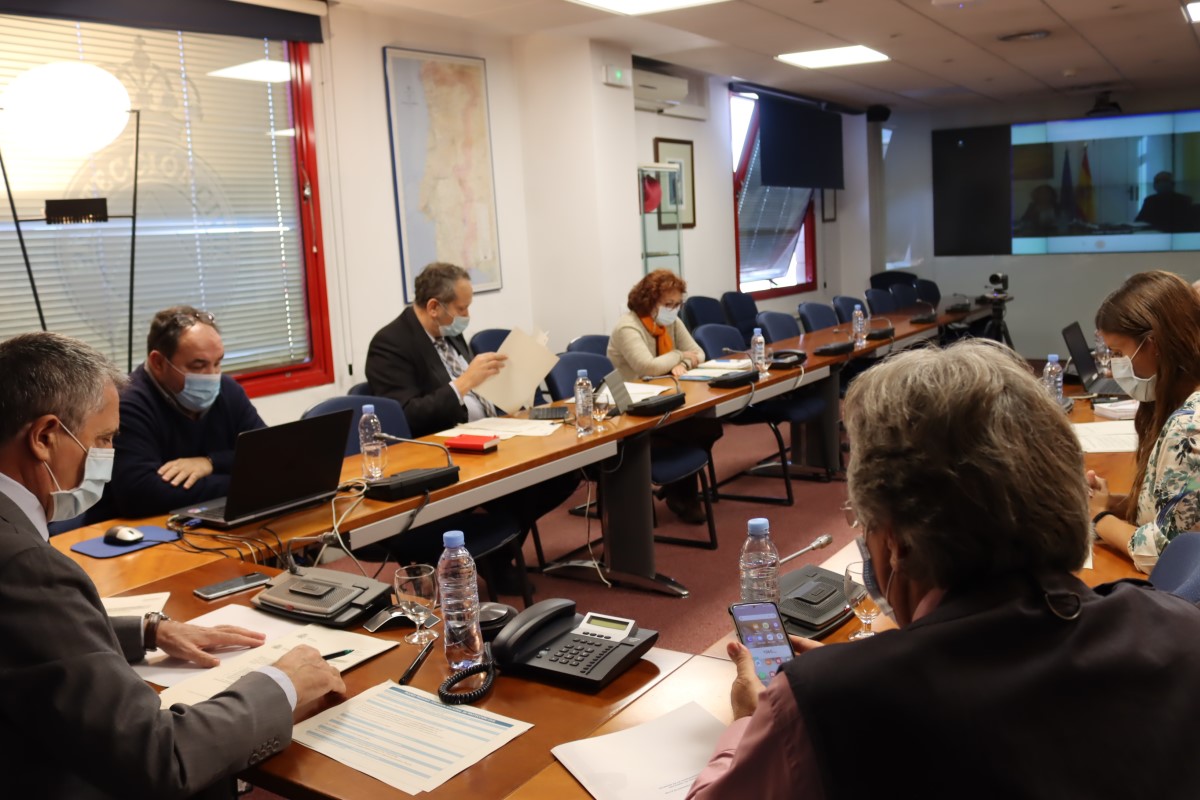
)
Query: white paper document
[
  {"x": 715, "y": 368},
  {"x": 210, "y": 682},
  {"x": 504, "y": 427},
  {"x": 637, "y": 391},
  {"x": 529, "y": 361},
  {"x": 1107, "y": 437},
  {"x": 161, "y": 669},
  {"x": 135, "y": 605},
  {"x": 658, "y": 759},
  {"x": 405, "y": 737},
  {"x": 1121, "y": 409}
]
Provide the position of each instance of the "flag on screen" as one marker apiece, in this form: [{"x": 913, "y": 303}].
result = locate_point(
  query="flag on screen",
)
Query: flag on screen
[
  {"x": 1066, "y": 195},
  {"x": 1085, "y": 203}
]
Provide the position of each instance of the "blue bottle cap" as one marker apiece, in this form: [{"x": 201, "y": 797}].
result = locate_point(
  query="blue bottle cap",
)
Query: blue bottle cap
[
  {"x": 759, "y": 526},
  {"x": 1053, "y": 358},
  {"x": 858, "y": 306},
  {"x": 452, "y": 539},
  {"x": 581, "y": 373},
  {"x": 369, "y": 408},
  {"x": 758, "y": 331}
]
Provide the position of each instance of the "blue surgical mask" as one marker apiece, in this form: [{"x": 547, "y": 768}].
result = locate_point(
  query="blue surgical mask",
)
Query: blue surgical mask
[
  {"x": 200, "y": 390},
  {"x": 666, "y": 316},
  {"x": 96, "y": 472},
  {"x": 457, "y": 325},
  {"x": 872, "y": 585}
]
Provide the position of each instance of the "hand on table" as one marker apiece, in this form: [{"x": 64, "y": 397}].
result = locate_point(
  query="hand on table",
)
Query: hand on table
[
  {"x": 312, "y": 676},
  {"x": 692, "y": 358},
  {"x": 186, "y": 471},
  {"x": 1098, "y": 496},
  {"x": 482, "y": 367},
  {"x": 679, "y": 369},
  {"x": 181, "y": 640}
]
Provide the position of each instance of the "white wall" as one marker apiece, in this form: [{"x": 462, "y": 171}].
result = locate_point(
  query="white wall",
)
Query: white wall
[{"x": 1049, "y": 291}]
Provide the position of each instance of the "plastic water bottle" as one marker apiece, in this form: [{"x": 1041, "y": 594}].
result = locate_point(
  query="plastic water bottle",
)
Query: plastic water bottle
[
  {"x": 458, "y": 588},
  {"x": 374, "y": 452},
  {"x": 1052, "y": 377},
  {"x": 584, "y": 424},
  {"x": 859, "y": 324},
  {"x": 758, "y": 353},
  {"x": 759, "y": 564}
]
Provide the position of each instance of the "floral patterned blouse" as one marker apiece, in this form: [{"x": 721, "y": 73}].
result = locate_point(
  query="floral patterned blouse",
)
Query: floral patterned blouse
[{"x": 1169, "y": 501}]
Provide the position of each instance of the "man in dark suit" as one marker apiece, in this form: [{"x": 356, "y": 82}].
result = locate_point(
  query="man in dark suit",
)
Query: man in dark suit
[
  {"x": 1167, "y": 210},
  {"x": 79, "y": 723}
]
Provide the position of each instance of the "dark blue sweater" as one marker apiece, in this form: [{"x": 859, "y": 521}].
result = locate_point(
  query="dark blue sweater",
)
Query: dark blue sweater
[{"x": 154, "y": 431}]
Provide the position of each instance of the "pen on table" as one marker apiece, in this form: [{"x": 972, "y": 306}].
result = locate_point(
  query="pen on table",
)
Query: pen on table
[
  {"x": 338, "y": 654},
  {"x": 417, "y": 662}
]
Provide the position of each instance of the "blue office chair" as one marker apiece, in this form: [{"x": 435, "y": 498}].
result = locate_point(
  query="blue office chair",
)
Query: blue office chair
[
  {"x": 668, "y": 463},
  {"x": 488, "y": 340},
  {"x": 1178, "y": 568},
  {"x": 844, "y": 306},
  {"x": 880, "y": 301},
  {"x": 928, "y": 291},
  {"x": 699, "y": 310},
  {"x": 489, "y": 536},
  {"x": 596, "y": 343},
  {"x": 777, "y": 326},
  {"x": 888, "y": 278},
  {"x": 904, "y": 295},
  {"x": 795, "y": 408},
  {"x": 740, "y": 311},
  {"x": 815, "y": 316},
  {"x": 359, "y": 389}
]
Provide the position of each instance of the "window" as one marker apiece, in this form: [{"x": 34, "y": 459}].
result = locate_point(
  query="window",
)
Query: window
[
  {"x": 775, "y": 243},
  {"x": 227, "y": 214}
]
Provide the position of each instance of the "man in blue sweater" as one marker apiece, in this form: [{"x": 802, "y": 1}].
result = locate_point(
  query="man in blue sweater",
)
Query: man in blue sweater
[{"x": 180, "y": 418}]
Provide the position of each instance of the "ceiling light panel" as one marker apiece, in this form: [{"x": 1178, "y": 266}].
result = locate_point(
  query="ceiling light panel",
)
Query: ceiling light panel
[
  {"x": 638, "y": 7},
  {"x": 834, "y": 57}
]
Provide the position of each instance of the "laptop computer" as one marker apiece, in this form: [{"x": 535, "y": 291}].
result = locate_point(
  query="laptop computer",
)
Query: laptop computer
[
  {"x": 279, "y": 468},
  {"x": 1081, "y": 354}
]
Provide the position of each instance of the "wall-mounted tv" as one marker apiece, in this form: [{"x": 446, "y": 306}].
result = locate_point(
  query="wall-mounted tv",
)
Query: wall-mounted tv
[{"x": 1096, "y": 185}]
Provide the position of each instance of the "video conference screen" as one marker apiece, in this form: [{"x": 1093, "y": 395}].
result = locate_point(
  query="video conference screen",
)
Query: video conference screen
[{"x": 1108, "y": 184}]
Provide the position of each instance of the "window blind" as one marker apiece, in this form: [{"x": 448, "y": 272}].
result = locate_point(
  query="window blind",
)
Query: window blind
[
  {"x": 218, "y": 207},
  {"x": 770, "y": 220}
]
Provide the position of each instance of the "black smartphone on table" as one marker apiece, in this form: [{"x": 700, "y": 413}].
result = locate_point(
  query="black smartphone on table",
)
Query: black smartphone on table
[
  {"x": 760, "y": 628},
  {"x": 231, "y": 586}
]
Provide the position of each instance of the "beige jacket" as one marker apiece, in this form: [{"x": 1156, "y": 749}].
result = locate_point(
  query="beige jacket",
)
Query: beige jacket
[{"x": 632, "y": 349}]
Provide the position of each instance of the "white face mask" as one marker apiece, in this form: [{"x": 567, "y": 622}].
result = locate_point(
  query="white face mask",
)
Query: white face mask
[
  {"x": 1140, "y": 389},
  {"x": 666, "y": 316},
  {"x": 96, "y": 472}
]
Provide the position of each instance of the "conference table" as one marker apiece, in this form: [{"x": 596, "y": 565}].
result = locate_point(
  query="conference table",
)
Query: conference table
[{"x": 520, "y": 462}]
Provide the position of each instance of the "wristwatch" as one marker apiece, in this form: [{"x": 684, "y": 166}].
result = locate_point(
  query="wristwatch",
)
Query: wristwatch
[
  {"x": 1096, "y": 519},
  {"x": 150, "y": 629}
]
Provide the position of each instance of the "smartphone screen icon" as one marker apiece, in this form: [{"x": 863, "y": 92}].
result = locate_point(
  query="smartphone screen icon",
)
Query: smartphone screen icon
[{"x": 760, "y": 629}]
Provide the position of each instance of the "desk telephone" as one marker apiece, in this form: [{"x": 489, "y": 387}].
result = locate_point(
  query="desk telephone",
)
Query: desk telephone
[{"x": 550, "y": 642}]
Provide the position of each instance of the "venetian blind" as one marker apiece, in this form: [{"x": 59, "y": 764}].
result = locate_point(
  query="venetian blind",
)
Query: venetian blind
[{"x": 769, "y": 223}]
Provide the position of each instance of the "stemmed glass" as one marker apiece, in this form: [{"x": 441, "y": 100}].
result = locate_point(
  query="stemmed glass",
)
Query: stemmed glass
[
  {"x": 600, "y": 403},
  {"x": 860, "y": 601},
  {"x": 416, "y": 595}
]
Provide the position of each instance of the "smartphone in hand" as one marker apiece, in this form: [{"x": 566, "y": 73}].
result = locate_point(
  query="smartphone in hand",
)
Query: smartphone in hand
[{"x": 760, "y": 628}]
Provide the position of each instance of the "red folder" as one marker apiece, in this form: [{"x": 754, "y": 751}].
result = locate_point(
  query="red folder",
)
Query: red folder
[{"x": 473, "y": 443}]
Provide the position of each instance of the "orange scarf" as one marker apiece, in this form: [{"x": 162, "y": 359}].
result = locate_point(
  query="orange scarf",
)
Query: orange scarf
[{"x": 661, "y": 334}]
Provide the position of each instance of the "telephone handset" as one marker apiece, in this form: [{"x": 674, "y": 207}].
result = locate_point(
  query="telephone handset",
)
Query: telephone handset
[{"x": 549, "y": 641}]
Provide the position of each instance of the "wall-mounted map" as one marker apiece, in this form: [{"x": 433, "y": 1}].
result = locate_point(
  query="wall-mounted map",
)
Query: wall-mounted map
[{"x": 442, "y": 162}]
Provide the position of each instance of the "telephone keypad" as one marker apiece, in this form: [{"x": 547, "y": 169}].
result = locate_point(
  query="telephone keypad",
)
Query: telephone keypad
[{"x": 582, "y": 653}]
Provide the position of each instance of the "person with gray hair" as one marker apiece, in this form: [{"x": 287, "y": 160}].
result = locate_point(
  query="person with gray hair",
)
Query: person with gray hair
[
  {"x": 80, "y": 722},
  {"x": 1008, "y": 675}
]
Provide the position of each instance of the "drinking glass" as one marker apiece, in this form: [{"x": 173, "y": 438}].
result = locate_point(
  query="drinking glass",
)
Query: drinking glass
[
  {"x": 1103, "y": 357},
  {"x": 600, "y": 405},
  {"x": 416, "y": 595},
  {"x": 860, "y": 601}
]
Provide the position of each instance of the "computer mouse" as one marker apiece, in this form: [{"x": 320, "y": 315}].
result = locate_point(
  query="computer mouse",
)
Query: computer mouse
[{"x": 122, "y": 534}]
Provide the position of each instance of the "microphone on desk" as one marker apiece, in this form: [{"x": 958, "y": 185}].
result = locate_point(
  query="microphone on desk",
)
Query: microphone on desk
[
  {"x": 411, "y": 482},
  {"x": 659, "y": 404},
  {"x": 959, "y": 307},
  {"x": 824, "y": 540},
  {"x": 926, "y": 318},
  {"x": 880, "y": 333},
  {"x": 387, "y": 437},
  {"x": 678, "y": 388}
]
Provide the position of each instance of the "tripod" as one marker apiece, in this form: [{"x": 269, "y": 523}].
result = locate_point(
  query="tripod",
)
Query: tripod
[{"x": 996, "y": 327}]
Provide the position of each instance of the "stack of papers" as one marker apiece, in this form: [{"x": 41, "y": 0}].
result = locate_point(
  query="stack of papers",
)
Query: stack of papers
[
  {"x": 1122, "y": 409},
  {"x": 715, "y": 368},
  {"x": 405, "y": 737},
  {"x": 1107, "y": 437},
  {"x": 503, "y": 427}
]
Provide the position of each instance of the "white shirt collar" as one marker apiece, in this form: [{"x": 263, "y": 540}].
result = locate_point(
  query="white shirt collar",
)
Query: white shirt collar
[{"x": 28, "y": 504}]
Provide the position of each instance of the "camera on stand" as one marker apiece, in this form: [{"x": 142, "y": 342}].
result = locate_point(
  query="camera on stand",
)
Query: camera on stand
[{"x": 998, "y": 297}]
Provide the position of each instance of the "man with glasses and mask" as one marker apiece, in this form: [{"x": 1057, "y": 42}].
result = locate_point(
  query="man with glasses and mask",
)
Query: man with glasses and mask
[
  {"x": 1008, "y": 676},
  {"x": 80, "y": 723},
  {"x": 180, "y": 419}
]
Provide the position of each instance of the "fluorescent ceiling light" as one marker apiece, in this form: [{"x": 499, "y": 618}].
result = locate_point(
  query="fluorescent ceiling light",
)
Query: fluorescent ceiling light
[
  {"x": 835, "y": 57},
  {"x": 1193, "y": 11},
  {"x": 263, "y": 70},
  {"x": 635, "y": 7}
]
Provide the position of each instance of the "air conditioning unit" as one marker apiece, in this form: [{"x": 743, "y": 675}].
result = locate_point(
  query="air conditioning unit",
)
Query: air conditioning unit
[{"x": 653, "y": 91}]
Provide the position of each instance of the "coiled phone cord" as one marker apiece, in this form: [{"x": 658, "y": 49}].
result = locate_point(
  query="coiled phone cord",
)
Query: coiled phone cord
[{"x": 487, "y": 667}]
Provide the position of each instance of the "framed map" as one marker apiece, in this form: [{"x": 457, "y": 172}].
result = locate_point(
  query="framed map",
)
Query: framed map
[{"x": 442, "y": 165}]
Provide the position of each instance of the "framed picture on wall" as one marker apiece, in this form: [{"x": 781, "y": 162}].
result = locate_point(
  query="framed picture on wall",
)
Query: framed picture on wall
[{"x": 679, "y": 197}]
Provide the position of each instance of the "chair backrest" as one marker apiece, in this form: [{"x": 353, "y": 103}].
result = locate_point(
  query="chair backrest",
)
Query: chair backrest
[
  {"x": 561, "y": 380},
  {"x": 815, "y": 316},
  {"x": 928, "y": 291},
  {"x": 885, "y": 280},
  {"x": 700, "y": 310},
  {"x": 390, "y": 413},
  {"x": 488, "y": 340},
  {"x": 741, "y": 312},
  {"x": 904, "y": 295},
  {"x": 1178, "y": 568},
  {"x": 777, "y": 326},
  {"x": 844, "y": 305},
  {"x": 360, "y": 389},
  {"x": 880, "y": 301},
  {"x": 596, "y": 343},
  {"x": 714, "y": 340}
]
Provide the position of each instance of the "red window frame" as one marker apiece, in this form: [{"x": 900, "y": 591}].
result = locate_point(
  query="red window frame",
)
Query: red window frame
[
  {"x": 318, "y": 369},
  {"x": 809, "y": 225}
]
